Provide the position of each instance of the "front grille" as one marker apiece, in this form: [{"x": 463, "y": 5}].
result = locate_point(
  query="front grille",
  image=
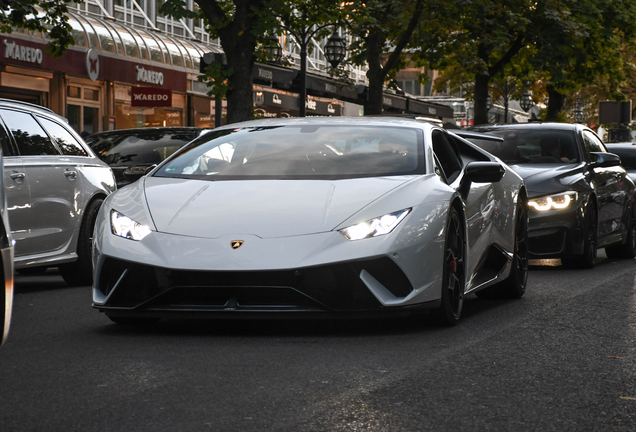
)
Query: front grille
[
  {"x": 547, "y": 244},
  {"x": 331, "y": 287}
]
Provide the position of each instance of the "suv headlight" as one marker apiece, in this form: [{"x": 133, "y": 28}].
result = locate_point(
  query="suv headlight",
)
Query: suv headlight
[
  {"x": 553, "y": 202},
  {"x": 375, "y": 227},
  {"x": 125, "y": 227}
]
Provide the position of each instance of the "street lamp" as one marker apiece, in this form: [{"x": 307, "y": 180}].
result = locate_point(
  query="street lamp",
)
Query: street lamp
[
  {"x": 335, "y": 51},
  {"x": 526, "y": 99},
  {"x": 274, "y": 50}
]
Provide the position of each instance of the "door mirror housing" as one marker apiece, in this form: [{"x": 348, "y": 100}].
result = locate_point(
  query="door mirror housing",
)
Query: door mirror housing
[
  {"x": 135, "y": 172},
  {"x": 604, "y": 160},
  {"x": 480, "y": 172}
]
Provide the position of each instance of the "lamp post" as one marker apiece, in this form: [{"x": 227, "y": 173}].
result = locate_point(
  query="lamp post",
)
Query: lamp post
[
  {"x": 335, "y": 51},
  {"x": 274, "y": 50},
  {"x": 526, "y": 99},
  {"x": 504, "y": 90}
]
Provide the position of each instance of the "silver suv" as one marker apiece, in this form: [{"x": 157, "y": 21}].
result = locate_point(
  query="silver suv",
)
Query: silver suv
[{"x": 54, "y": 187}]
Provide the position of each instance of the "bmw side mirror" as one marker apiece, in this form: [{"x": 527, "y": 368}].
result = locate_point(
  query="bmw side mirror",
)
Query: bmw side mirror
[
  {"x": 135, "y": 172},
  {"x": 480, "y": 172},
  {"x": 603, "y": 160}
]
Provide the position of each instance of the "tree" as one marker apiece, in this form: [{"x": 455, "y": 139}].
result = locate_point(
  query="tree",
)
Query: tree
[
  {"x": 240, "y": 25},
  {"x": 382, "y": 30},
  {"x": 480, "y": 38},
  {"x": 53, "y": 20},
  {"x": 582, "y": 43}
]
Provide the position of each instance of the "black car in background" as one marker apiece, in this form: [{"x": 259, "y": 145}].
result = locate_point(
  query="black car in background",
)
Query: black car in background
[
  {"x": 627, "y": 152},
  {"x": 138, "y": 149},
  {"x": 580, "y": 197}
]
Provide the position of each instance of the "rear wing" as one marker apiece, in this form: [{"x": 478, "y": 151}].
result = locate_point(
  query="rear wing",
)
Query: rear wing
[{"x": 476, "y": 135}]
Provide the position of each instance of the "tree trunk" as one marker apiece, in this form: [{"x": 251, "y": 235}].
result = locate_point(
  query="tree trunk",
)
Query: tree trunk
[
  {"x": 375, "y": 74},
  {"x": 481, "y": 98},
  {"x": 239, "y": 45},
  {"x": 555, "y": 104}
]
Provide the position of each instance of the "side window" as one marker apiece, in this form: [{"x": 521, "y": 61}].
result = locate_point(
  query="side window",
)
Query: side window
[
  {"x": 63, "y": 138},
  {"x": 6, "y": 144},
  {"x": 28, "y": 134},
  {"x": 447, "y": 156},
  {"x": 592, "y": 143}
]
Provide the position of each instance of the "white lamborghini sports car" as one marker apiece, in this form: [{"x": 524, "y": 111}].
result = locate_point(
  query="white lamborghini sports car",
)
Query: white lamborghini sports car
[{"x": 313, "y": 217}]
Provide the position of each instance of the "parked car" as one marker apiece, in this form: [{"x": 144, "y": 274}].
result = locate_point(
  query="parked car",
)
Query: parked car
[
  {"x": 6, "y": 257},
  {"x": 627, "y": 152},
  {"x": 312, "y": 217},
  {"x": 580, "y": 198},
  {"x": 138, "y": 149},
  {"x": 54, "y": 187}
]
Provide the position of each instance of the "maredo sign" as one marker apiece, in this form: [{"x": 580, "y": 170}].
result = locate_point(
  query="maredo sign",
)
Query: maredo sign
[{"x": 150, "y": 97}]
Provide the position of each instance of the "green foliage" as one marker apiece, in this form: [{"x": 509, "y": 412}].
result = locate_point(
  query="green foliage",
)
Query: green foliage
[{"x": 53, "y": 21}]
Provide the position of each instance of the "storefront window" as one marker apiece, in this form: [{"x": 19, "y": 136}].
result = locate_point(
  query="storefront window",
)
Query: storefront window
[
  {"x": 131, "y": 117},
  {"x": 83, "y": 107}
]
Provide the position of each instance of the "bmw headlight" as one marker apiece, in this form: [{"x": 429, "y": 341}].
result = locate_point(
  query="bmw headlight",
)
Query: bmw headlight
[
  {"x": 553, "y": 202},
  {"x": 375, "y": 227},
  {"x": 125, "y": 227}
]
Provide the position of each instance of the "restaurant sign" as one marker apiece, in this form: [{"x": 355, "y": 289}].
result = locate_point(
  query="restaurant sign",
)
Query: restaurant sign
[{"x": 150, "y": 97}]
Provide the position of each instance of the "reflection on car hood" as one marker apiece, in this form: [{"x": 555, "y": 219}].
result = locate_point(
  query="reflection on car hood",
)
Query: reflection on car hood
[
  {"x": 265, "y": 208},
  {"x": 544, "y": 179}
]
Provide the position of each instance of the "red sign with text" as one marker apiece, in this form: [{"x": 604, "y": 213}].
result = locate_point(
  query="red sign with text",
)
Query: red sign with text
[{"x": 150, "y": 97}]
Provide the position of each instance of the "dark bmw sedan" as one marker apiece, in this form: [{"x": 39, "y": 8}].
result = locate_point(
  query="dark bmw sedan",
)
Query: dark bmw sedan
[
  {"x": 139, "y": 149},
  {"x": 580, "y": 197}
]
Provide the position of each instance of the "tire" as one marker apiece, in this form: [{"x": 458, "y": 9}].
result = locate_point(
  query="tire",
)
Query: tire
[
  {"x": 586, "y": 261},
  {"x": 131, "y": 321},
  {"x": 514, "y": 286},
  {"x": 626, "y": 250},
  {"x": 30, "y": 271},
  {"x": 80, "y": 272},
  {"x": 454, "y": 273}
]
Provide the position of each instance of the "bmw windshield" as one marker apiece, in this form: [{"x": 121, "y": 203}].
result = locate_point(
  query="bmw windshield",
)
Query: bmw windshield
[
  {"x": 529, "y": 146},
  {"x": 299, "y": 152}
]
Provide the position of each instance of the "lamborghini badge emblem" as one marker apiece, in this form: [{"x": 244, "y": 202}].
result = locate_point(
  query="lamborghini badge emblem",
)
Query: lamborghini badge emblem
[{"x": 236, "y": 244}]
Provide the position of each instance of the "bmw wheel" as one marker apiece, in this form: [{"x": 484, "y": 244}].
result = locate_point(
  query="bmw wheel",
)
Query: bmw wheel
[{"x": 589, "y": 247}]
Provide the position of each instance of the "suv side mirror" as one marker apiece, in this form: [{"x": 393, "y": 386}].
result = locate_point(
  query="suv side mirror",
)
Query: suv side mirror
[
  {"x": 135, "y": 172},
  {"x": 603, "y": 160}
]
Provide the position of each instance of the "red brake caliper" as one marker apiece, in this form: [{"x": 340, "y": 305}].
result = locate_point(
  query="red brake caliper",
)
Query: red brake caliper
[{"x": 453, "y": 264}]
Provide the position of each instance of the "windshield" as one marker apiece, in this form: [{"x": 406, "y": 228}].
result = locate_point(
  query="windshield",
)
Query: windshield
[
  {"x": 307, "y": 152},
  {"x": 532, "y": 146},
  {"x": 142, "y": 147}
]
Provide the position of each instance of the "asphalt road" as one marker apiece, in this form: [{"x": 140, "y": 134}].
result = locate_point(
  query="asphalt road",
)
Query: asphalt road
[{"x": 561, "y": 359}]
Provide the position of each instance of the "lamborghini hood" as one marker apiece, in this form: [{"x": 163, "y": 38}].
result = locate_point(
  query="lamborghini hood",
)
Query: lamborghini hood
[{"x": 264, "y": 208}]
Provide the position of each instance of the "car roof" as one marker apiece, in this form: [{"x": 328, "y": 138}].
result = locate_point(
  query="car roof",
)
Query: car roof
[
  {"x": 532, "y": 125},
  {"x": 26, "y": 106},
  {"x": 333, "y": 121}
]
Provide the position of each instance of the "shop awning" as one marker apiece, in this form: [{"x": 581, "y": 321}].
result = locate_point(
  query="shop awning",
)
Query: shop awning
[
  {"x": 429, "y": 109},
  {"x": 273, "y": 76}
]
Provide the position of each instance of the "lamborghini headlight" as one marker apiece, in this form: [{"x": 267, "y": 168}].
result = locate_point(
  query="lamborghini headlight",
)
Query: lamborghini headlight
[
  {"x": 553, "y": 202},
  {"x": 125, "y": 227},
  {"x": 375, "y": 227}
]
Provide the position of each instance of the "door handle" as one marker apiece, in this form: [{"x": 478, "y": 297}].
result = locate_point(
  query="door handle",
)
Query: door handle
[
  {"x": 70, "y": 174},
  {"x": 15, "y": 175}
]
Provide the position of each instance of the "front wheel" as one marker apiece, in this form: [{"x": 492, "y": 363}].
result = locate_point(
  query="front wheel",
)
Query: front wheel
[
  {"x": 628, "y": 249},
  {"x": 586, "y": 260},
  {"x": 80, "y": 272},
  {"x": 453, "y": 276}
]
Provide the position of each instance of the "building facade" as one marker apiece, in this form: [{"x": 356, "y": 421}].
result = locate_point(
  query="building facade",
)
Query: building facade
[{"x": 132, "y": 67}]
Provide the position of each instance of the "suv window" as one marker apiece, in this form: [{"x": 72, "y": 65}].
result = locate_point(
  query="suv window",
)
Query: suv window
[
  {"x": 6, "y": 145},
  {"x": 28, "y": 134},
  {"x": 63, "y": 138}
]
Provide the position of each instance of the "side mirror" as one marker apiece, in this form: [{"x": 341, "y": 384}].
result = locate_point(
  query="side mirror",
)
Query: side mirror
[
  {"x": 603, "y": 160},
  {"x": 480, "y": 172},
  {"x": 135, "y": 172}
]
